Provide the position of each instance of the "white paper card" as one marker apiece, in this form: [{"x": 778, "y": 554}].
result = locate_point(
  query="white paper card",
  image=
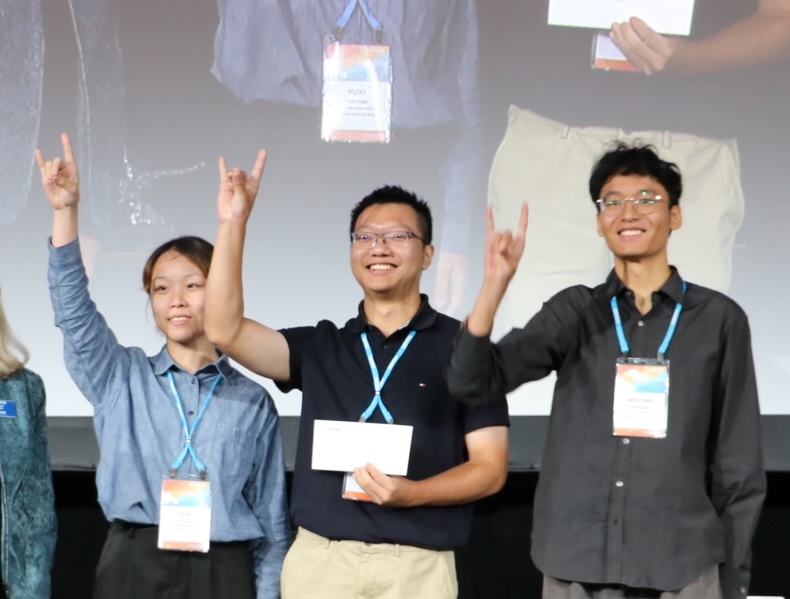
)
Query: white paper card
[
  {"x": 342, "y": 446},
  {"x": 671, "y": 17}
]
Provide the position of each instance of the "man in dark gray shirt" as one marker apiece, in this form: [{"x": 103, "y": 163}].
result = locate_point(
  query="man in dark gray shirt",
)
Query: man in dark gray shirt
[{"x": 652, "y": 477}]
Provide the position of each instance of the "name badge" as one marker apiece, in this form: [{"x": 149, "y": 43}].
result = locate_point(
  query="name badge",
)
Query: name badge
[
  {"x": 641, "y": 398},
  {"x": 185, "y": 515},
  {"x": 351, "y": 490},
  {"x": 357, "y": 93},
  {"x": 607, "y": 56},
  {"x": 7, "y": 409}
]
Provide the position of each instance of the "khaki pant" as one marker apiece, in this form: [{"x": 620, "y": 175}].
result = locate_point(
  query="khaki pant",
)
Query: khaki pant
[
  {"x": 548, "y": 164},
  {"x": 318, "y": 568}
]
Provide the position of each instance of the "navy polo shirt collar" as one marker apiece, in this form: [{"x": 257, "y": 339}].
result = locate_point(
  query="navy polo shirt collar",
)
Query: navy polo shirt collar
[{"x": 423, "y": 319}]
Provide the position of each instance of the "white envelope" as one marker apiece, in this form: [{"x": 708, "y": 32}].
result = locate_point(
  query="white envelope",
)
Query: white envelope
[
  {"x": 671, "y": 17},
  {"x": 342, "y": 446}
]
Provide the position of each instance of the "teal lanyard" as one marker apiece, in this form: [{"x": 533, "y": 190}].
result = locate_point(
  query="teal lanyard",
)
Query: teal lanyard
[
  {"x": 374, "y": 23},
  {"x": 618, "y": 326},
  {"x": 378, "y": 383},
  {"x": 190, "y": 432}
]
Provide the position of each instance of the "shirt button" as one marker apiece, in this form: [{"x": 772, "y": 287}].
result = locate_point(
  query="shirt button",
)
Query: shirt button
[
  {"x": 626, "y": 441},
  {"x": 619, "y": 483},
  {"x": 641, "y": 323},
  {"x": 194, "y": 381},
  {"x": 191, "y": 412}
]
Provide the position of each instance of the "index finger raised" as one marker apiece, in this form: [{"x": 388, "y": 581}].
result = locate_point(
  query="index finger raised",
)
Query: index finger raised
[
  {"x": 523, "y": 220},
  {"x": 257, "y": 169},
  {"x": 490, "y": 220},
  {"x": 68, "y": 151}
]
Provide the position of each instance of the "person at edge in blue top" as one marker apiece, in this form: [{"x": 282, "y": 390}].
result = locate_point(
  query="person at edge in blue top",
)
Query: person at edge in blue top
[
  {"x": 364, "y": 533},
  {"x": 652, "y": 478},
  {"x": 28, "y": 526},
  {"x": 184, "y": 414}
]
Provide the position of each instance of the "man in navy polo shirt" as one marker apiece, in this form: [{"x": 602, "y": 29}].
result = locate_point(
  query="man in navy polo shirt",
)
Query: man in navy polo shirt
[{"x": 386, "y": 365}]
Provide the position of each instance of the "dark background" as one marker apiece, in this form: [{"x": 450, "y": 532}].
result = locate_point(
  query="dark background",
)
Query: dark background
[{"x": 495, "y": 563}]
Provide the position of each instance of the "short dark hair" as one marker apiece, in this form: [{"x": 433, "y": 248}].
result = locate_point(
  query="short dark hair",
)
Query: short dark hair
[
  {"x": 394, "y": 194},
  {"x": 636, "y": 159},
  {"x": 195, "y": 249}
]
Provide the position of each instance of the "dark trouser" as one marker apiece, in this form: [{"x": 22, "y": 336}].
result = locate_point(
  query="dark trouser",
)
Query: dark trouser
[
  {"x": 707, "y": 586},
  {"x": 131, "y": 566}
]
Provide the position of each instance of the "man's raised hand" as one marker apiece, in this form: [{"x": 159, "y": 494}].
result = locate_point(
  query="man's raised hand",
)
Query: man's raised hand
[
  {"x": 237, "y": 191},
  {"x": 504, "y": 248}
]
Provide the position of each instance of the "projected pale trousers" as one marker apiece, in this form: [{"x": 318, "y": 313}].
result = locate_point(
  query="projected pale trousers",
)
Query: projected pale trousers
[{"x": 548, "y": 164}]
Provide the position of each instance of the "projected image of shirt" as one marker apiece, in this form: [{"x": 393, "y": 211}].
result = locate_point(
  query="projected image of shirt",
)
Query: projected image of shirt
[{"x": 273, "y": 50}]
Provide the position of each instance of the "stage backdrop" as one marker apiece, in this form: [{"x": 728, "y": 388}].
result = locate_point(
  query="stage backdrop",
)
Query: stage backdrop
[{"x": 154, "y": 92}]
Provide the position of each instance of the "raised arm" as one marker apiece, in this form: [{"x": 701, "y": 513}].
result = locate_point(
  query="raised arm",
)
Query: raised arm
[
  {"x": 93, "y": 356},
  {"x": 257, "y": 347},
  {"x": 502, "y": 253},
  {"x": 761, "y": 37},
  {"x": 60, "y": 180},
  {"x": 483, "y": 474}
]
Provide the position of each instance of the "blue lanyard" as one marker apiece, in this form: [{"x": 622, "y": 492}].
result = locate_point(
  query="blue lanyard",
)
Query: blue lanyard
[
  {"x": 618, "y": 326},
  {"x": 190, "y": 433},
  {"x": 374, "y": 23},
  {"x": 378, "y": 383}
]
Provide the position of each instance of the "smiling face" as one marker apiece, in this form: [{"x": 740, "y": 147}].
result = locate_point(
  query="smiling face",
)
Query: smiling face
[
  {"x": 385, "y": 269},
  {"x": 178, "y": 290},
  {"x": 632, "y": 235}
]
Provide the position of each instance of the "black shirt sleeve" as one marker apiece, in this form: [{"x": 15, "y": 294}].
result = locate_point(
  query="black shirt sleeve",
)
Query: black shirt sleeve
[
  {"x": 737, "y": 472},
  {"x": 298, "y": 339},
  {"x": 482, "y": 371}
]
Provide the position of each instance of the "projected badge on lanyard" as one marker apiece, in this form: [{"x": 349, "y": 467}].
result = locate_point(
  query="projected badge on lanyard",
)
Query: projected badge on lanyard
[
  {"x": 641, "y": 385},
  {"x": 185, "y": 505},
  {"x": 357, "y": 89}
]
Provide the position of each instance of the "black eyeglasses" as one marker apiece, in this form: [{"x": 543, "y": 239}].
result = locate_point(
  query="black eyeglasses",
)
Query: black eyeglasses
[
  {"x": 614, "y": 204},
  {"x": 391, "y": 238}
]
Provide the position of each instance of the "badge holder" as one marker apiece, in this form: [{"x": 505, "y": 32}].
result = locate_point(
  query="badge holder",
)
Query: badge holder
[
  {"x": 185, "y": 514},
  {"x": 641, "y": 398},
  {"x": 607, "y": 56},
  {"x": 641, "y": 385},
  {"x": 357, "y": 84},
  {"x": 351, "y": 490},
  {"x": 185, "y": 503}
]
